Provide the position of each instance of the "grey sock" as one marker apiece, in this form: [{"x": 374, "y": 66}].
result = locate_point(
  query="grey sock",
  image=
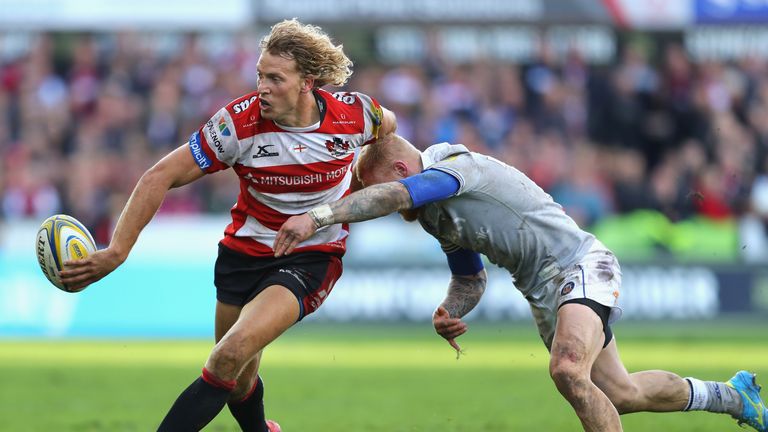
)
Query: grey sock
[{"x": 713, "y": 396}]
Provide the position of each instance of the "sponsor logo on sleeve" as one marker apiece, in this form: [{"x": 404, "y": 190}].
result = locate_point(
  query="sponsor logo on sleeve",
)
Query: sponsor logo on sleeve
[
  {"x": 223, "y": 128},
  {"x": 197, "y": 151},
  {"x": 214, "y": 136}
]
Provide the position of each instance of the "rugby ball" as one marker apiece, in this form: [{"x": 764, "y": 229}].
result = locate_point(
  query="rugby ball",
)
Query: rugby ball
[{"x": 61, "y": 238}]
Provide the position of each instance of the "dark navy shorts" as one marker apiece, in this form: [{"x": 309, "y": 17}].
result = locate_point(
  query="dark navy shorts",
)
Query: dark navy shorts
[{"x": 308, "y": 275}]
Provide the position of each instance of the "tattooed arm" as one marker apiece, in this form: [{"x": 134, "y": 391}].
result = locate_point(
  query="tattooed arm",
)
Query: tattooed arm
[
  {"x": 365, "y": 204},
  {"x": 369, "y": 203},
  {"x": 375, "y": 201},
  {"x": 464, "y": 293}
]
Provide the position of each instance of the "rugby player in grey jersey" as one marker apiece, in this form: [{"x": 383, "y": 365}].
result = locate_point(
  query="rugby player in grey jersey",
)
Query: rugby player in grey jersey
[{"x": 474, "y": 204}]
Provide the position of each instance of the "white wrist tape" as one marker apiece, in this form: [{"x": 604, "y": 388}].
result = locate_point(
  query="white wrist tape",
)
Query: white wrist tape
[{"x": 322, "y": 215}]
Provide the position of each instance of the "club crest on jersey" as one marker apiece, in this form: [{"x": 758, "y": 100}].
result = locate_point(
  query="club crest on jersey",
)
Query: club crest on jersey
[
  {"x": 567, "y": 288},
  {"x": 337, "y": 146},
  {"x": 223, "y": 128}
]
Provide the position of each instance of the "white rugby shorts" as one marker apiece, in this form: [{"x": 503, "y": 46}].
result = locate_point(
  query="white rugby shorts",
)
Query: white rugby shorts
[{"x": 597, "y": 276}]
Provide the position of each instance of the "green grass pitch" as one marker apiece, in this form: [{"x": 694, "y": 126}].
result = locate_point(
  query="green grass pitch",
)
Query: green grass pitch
[{"x": 324, "y": 378}]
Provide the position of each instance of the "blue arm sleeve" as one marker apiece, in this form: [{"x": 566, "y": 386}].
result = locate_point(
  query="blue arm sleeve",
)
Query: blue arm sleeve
[
  {"x": 430, "y": 186},
  {"x": 464, "y": 262}
]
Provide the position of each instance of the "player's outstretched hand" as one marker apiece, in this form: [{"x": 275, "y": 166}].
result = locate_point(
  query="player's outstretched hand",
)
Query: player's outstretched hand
[
  {"x": 78, "y": 274},
  {"x": 447, "y": 327},
  {"x": 294, "y": 231}
]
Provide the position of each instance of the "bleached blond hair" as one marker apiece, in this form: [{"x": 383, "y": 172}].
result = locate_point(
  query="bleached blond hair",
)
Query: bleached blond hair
[
  {"x": 313, "y": 50},
  {"x": 380, "y": 155}
]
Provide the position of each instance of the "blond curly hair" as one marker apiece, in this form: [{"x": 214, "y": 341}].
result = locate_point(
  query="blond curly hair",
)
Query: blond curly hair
[{"x": 313, "y": 50}]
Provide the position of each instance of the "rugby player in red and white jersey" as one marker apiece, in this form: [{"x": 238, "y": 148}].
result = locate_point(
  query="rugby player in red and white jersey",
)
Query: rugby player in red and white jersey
[{"x": 291, "y": 144}]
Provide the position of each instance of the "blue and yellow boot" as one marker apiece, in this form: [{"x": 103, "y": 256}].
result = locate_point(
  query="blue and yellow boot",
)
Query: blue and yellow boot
[{"x": 754, "y": 412}]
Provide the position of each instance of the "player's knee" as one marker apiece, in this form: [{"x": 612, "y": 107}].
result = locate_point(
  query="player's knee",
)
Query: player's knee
[
  {"x": 567, "y": 376},
  {"x": 226, "y": 361},
  {"x": 570, "y": 377}
]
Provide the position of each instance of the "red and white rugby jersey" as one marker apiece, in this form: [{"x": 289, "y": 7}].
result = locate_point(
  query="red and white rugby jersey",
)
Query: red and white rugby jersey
[{"x": 283, "y": 170}]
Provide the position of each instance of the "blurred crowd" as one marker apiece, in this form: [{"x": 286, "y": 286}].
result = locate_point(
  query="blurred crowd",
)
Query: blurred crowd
[{"x": 82, "y": 117}]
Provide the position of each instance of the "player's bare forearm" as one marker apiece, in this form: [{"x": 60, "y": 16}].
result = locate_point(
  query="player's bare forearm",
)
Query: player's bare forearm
[
  {"x": 175, "y": 170},
  {"x": 365, "y": 204},
  {"x": 464, "y": 292},
  {"x": 372, "y": 202},
  {"x": 144, "y": 202},
  {"x": 141, "y": 206}
]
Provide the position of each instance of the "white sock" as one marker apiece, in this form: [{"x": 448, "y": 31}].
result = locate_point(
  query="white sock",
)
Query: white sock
[{"x": 712, "y": 396}]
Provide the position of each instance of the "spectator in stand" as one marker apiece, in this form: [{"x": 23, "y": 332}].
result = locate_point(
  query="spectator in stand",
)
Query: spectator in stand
[{"x": 85, "y": 100}]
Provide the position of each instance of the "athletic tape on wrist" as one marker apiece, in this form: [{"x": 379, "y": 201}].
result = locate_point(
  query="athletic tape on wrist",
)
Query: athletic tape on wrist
[{"x": 322, "y": 215}]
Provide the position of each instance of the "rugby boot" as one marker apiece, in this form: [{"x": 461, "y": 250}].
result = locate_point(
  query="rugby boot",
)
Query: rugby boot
[{"x": 754, "y": 412}]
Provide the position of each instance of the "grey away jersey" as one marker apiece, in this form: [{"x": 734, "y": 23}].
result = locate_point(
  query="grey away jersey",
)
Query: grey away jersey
[{"x": 504, "y": 215}]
